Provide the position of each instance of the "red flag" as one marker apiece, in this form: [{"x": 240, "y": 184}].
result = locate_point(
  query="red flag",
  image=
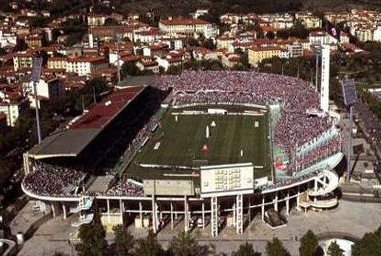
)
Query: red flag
[{"x": 205, "y": 148}]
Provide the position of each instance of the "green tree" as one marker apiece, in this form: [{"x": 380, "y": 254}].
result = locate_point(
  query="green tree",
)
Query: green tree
[
  {"x": 270, "y": 35},
  {"x": 276, "y": 248},
  {"x": 149, "y": 246},
  {"x": 124, "y": 241},
  {"x": 245, "y": 249},
  {"x": 335, "y": 250},
  {"x": 58, "y": 254},
  {"x": 308, "y": 244},
  {"x": 183, "y": 244},
  {"x": 369, "y": 245},
  {"x": 92, "y": 236},
  {"x": 129, "y": 69}
]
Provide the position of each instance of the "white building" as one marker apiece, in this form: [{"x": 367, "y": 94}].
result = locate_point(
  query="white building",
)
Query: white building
[
  {"x": 189, "y": 26},
  {"x": 85, "y": 65},
  {"x": 7, "y": 38},
  {"x": 13, "y": 108},
  {"x": 49, "y": 88}
]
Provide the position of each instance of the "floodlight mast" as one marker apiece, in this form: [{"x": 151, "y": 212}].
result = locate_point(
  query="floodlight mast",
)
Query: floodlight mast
[
  {"x": 116, "y": 39},
  {"x": 36, "y": 75},
  {"x": 350, "y": 98}
]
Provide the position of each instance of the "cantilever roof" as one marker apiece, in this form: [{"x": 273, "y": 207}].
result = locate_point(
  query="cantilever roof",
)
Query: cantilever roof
[{"x": 72, "y": 141}]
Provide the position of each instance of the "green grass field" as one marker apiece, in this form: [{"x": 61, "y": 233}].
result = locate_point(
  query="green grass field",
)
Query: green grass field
[{"x": 181, "y": 142}]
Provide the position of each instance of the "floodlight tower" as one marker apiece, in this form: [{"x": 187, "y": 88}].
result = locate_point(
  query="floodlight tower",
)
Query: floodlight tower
[
  {"x": 350, "y": 98},
  {"x": 35, "y": 78},
  {"x": 116, "y": 39}
]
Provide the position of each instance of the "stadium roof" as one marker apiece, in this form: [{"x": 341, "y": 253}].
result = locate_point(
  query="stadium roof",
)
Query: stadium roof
[{"x": 79, "y": 134}]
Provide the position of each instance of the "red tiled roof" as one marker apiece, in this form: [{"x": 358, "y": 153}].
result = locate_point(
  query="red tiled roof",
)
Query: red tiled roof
[
  {"x": 177, "y": 22},
  {"x": 87, "y": 59},
  {"x": 103, "y": 113}
]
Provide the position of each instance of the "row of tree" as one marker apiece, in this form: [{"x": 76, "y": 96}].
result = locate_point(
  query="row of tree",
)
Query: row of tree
[{"x": 93, "y": 243}]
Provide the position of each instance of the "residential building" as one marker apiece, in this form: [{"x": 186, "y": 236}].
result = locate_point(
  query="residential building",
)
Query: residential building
[
  {"x": 189, "y": 26},
  {"x": 85, "y": 65},
  {"x": 34, "y": 41},
  {"x": 57, "y": 63},
  {"x": 96, "y": 19},
  {"x": 49, "y": 88},
  {"x": 13, "y": 107},
  {"x": 22, "y": 60},
  {"x": 257, "y": 54},
  {"x": 295, "y": 50}
]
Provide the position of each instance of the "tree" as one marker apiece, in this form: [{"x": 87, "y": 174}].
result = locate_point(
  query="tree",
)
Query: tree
[
  {"x": 183, "y": 244},
  {"x": 245, "y": 249},
  {"x": 308, "y": 244},
  {"x": 270, "y": 35},
  {"x": 276, "y": 248},
  {"x": 58, "y": 254},
  {"x": 124, "y": 241},
  {"x": 335, "y": 250},
  {"x": 369, "y": 244},
  {"x": 92, "y": 236},
  {"x": 149, "y": 246},
  {"x": 129, "y": 69}
]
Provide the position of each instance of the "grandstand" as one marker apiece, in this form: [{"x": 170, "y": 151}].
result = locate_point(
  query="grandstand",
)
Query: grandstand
[{"x": 186, "y": 141}]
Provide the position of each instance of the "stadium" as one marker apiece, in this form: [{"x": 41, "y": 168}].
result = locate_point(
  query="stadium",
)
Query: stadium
[{"x": 211, "y": 148}]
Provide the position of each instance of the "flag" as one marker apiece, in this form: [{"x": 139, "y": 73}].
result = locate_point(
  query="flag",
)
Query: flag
[{"x": 205, "y": 148}]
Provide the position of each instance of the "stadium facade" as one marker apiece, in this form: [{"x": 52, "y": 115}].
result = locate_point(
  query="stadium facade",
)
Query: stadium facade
[{"x": 115, "y": 155}]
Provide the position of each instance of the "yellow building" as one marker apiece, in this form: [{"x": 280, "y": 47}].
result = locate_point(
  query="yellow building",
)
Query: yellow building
[{"x": 257, "y": 54}]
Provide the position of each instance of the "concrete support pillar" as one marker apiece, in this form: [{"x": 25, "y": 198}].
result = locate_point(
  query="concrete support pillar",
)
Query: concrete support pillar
[
  {"x": 121, "y": 207},
  {"x": 234, "y": 215},
  {"x": 203, "y": 215},
  {"x": 172, "y": 223},
  {"x": 154, "y": 214},
  {"x": 298, "y": 200},
  {"x": 249, "y": 210},
  {"x": 108, "y": 210},
  {"x": 54, "y": 211},
  {"x": 64, "y": 211},
  {"x": 276, "y": 202},
  {"x": 186, "y": 217},
  {"x": 141, "y": 211},
  {"x": 288, "y": 203}
]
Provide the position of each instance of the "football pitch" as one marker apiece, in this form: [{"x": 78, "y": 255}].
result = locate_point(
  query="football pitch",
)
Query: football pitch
[{"x": 182, "y": 141}]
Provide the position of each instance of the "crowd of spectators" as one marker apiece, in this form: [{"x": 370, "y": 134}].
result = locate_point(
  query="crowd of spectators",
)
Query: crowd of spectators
[
  {"x": 124, "y": 187},
  {"x": 316, "y": 155},
  {"x": 294, "y": 127},
  {"x": 370, "y": 125},
  {"x": 50, "y": 180}
]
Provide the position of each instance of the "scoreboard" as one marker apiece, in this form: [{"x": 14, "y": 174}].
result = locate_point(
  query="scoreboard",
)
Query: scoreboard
[{"x": 225, "y": 180}]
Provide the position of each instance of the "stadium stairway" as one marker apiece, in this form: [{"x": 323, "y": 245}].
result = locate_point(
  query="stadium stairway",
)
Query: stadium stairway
[
  {"x": 329, "y": 181},
  {"x": 85, "y": 203}
]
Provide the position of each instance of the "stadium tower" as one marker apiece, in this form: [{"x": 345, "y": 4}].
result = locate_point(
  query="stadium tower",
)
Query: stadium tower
[{"x": 324, "y": 88}]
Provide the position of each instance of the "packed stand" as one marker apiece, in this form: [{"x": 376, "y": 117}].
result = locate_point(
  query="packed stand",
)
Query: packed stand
[
  {"x": 370, "y": 125},
  {"x": 125, "y": 188},
  {"x": 49, "y": 180},
  {"x": 294, "y": 127}
]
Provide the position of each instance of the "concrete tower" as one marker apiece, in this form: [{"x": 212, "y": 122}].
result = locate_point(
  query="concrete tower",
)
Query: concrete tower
[{"x": 324, "y": 88}]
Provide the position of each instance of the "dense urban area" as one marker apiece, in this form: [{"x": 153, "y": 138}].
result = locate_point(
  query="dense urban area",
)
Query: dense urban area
[{"x": 139, "y": 57}]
